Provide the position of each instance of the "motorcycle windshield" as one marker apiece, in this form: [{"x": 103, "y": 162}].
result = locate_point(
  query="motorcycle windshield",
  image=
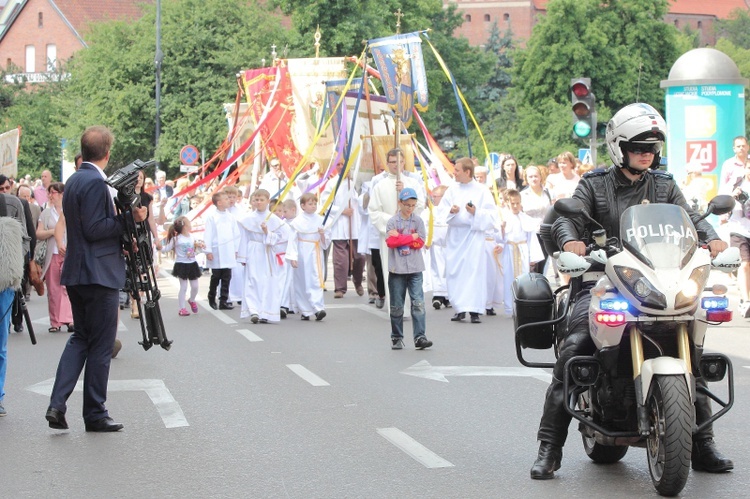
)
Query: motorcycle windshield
[{"x": 660, "y": 235}]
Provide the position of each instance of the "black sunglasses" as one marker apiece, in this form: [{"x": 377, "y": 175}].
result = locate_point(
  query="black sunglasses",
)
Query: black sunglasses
[{"x": 637, "y": 148}]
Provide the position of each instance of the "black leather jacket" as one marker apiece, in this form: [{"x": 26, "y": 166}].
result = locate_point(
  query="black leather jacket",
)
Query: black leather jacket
[{"x": 608, "y": 193}]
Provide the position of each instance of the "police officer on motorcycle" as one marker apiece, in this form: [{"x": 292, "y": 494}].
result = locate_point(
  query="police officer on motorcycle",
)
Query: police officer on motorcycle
[{"x": 634, "y": 139}]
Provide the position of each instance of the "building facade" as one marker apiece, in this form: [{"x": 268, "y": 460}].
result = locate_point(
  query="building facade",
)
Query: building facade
[
  {"x": 520, "y": 16},
  {"x": 36, "y": 36}
]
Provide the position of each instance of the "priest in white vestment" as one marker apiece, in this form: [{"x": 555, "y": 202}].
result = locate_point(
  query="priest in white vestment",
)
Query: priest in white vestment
[{"x": 468, "y": 208}]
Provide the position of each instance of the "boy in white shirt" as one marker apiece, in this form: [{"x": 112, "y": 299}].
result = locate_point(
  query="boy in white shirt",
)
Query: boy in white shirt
[{"x": 222, "y": 239}]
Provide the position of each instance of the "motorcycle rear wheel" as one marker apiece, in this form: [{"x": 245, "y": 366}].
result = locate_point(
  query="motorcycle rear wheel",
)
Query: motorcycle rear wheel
[{"x": 669, "y": 445}]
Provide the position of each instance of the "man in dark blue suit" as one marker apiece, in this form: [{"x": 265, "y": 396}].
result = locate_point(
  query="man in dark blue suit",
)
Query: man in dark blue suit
[{"x": 93, "y": 273}]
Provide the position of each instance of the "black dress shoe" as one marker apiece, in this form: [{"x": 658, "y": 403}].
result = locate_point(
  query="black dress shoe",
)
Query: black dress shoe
[
  {"x": 56, "y": 419},
  {"x": 547, "y": 462},
  {"x": 212, "y": 304},
  {"x": 226, "y": 306},
  {"x": 103, "y": 425},
  {"x": 706, "y": 457},
  {"x": 319, "y": 315},
  {"x": 491, "y": 311},
  {"x": 474, "y": 318},
  {"x": 458, "y": 317}
]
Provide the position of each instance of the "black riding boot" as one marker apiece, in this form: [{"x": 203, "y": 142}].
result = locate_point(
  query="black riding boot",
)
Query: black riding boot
[
  {"x": 706, "y": 457},
  {"x": 553, "y": 430}
]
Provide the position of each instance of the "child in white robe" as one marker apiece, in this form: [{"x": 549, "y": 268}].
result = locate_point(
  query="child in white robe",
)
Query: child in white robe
[
  {"x": 238, "y": 272},
  {"x": 435, "y": 254},
  {"x": 288, "y": 304},
  {"x": 260, "y": 230},
  {"x": 519, "y": 248},
  {"x": 305, "y": 253}
]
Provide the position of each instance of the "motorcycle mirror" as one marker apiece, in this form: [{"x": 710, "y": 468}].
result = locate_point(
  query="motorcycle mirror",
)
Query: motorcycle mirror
[
  {"x": 720, "y": 205},
  {"x": 571, "y": 207}
]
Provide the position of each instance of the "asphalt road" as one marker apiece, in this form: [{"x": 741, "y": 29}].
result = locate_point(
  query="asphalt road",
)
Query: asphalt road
[{"x": 319, "y": 409}]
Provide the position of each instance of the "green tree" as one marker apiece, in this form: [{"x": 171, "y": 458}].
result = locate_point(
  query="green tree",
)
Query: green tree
[
  {"x": 34, "y": 110},
  {"x": 205, "y": 44},
  {"x": 736, "y": 29},
  {"x": 501, "y": 45},
  {"x": 624, "y": 47},
  {"x": 741, "y": 57}
]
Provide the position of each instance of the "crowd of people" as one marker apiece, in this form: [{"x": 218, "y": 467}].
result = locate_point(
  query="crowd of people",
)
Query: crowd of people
[{"x": 268, "y": 245}]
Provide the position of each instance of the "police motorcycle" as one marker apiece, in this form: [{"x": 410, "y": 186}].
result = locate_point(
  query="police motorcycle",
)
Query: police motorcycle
[{"x": 648, "y": 316}]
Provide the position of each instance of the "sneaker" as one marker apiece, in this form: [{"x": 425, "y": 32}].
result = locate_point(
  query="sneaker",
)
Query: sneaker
[
  {"x": 371, "y": 300},
  {"x": 338, "y": 294},
  {"x": 436, "y": 303},
  {"x": 254, "y": 318},
  {"x": 183, "y": 312},
  {"x": 380, "y": 302},
  {"x": 2, "y": 410},
  {"x": 397, "y": 344},
  {"x": 422, "y": 342},
  {"x": 305, "y": 317},
  {"x": 319, "y": 315},
  {"x": 193, "y": 306},
  {"x": 282, "y": 312}
]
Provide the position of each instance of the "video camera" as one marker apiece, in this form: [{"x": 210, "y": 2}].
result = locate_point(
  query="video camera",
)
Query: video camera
[{"x": 139, "y": 256}]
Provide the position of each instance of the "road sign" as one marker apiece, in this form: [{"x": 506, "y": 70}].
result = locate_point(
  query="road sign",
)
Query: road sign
[
  {"x": 189, "y": 155},
  {"x": 189, "y": 168}
]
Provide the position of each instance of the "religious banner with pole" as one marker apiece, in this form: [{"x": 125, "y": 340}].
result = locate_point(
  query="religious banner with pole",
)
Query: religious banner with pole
[{"x": 9, "y": 152}]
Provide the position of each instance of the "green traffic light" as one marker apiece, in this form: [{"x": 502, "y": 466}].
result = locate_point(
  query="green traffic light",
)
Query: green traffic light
[{"x": 582, "y": 129}]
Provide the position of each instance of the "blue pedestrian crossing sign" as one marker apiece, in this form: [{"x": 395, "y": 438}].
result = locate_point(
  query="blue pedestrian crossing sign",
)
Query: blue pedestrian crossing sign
[{"x": 584, "y": 156}]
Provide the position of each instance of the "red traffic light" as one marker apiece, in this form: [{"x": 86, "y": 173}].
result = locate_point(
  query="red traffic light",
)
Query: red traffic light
[{"x": 580, "y": 89}]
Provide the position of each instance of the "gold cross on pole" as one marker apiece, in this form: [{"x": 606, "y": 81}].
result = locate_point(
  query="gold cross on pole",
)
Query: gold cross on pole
[{"x": 398, "y": 15}]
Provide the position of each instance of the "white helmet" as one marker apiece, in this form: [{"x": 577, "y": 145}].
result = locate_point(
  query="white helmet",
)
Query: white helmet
[{"x": 635, "y": 125}]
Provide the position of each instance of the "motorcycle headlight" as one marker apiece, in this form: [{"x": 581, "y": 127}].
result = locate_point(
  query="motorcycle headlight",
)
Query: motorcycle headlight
[
  {"x": 693, "y": 287},
  {"x": 639, "y": 286}
]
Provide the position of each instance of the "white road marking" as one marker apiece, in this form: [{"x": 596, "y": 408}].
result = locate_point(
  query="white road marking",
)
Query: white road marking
[
  {"x": 380, "y": 312},
  {"x": 216, "y": 313},
  {"x": 168, "y": 408},
  {"x": 307, "y": 375},
  {"x": 249, "y": 335},
  {"x": 425, "y": 370},
  {"x": 414, "y": 449}
]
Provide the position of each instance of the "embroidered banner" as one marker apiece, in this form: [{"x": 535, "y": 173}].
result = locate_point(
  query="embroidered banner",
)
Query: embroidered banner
[
  {"x": 308, "y": 77},
  {"x": 402, "y": 55},
  {"x": 9, "y": 152},
  {"x": 276, "y": 131}
]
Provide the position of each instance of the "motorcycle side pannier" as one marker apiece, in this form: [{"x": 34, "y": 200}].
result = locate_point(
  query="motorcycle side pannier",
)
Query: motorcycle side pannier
[{"x": 533, "y": 301}]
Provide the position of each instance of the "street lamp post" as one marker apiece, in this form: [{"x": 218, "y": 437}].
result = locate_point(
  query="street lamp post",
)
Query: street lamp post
[{"x": 157, "y": 63}]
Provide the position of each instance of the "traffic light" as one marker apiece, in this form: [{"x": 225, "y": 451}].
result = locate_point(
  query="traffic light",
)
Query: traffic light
[{"x": 583, "y": 105}]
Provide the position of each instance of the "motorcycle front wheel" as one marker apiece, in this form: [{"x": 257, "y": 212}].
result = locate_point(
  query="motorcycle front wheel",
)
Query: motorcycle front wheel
[{"x": 670, "y": 443}]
